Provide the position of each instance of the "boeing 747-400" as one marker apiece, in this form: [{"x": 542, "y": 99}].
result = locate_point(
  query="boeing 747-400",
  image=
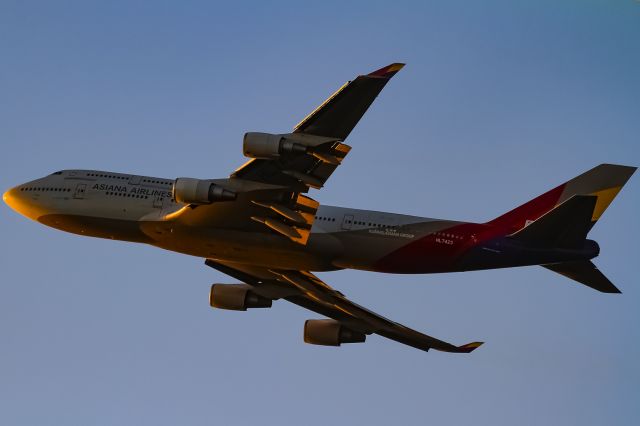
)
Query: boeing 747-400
[{"x": 259, "y": 226}]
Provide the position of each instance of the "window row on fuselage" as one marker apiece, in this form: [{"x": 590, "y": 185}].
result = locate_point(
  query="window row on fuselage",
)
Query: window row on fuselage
[
  {"x": 125, "y": 177},
  {"x": 327, "y": 219},
  {"x": 159, "y": 182},
  {"x": 45, "y": 189},
  {"x": 352, "y": 222},
  {"x": 448, "y": 235},
  {"x": 103, "y": 175},
  {"x": 363, "y": 223},
  {"x": 125, "y": 195}
]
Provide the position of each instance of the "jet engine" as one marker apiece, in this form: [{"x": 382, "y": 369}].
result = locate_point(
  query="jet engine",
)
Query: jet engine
[
  {"x": 266, "y": 145},
  {"x": 197, "y": 191},
  {"x": 329, "y": 332},
  {"x": 236, "y": 297}
]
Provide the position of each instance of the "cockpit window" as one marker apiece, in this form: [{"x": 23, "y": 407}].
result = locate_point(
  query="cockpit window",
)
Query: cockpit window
[{"x": 57, "y": 173}]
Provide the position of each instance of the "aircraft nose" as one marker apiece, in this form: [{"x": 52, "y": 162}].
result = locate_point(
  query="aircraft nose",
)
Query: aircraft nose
[
  {"x": 9, "y": 197},
  {"x": 21, "y": 203}
]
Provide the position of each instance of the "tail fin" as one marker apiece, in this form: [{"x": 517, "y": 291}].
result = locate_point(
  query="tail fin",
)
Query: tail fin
[
  {"x": 566, "y": 226},
  {"x": 585, "y": 272},
  {"x": 602, "y": 182}
]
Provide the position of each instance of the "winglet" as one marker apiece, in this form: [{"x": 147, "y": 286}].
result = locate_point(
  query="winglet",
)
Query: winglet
[
  {"x": 388, "y": 71},
  {"x": 469, "y": 347}
]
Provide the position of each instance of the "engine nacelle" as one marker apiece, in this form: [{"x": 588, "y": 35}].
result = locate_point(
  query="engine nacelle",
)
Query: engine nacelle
[
  {"x": 198, "y": 191},
  {"x": 236, "y": 297},
  {"x": 329, "y": 332},
  {"x": 266, "y": 145}
]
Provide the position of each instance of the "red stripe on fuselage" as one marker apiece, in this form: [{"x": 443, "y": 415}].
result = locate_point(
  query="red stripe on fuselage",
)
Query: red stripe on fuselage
[
  {"x": 515, "y": 219},
  {"x": 438, "y": 253}
]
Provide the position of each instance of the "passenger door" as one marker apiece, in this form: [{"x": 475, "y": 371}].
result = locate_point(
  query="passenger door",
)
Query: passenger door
[
  {"x": 347, "y": 221},
  {"x": 81, "y": 188}
]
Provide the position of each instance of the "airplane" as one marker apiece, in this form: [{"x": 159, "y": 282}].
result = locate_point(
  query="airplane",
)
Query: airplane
[{"x": 260, "y": 227}]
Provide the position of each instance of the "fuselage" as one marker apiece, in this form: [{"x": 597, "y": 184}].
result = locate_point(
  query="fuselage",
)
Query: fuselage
[{"x": 141, "y": 209}]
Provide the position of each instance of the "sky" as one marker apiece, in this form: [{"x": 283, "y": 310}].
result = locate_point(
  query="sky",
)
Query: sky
[{"x": 499, "y": 101}]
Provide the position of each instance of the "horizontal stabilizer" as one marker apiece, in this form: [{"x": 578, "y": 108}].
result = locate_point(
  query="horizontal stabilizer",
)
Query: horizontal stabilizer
[
  {"x": 565, "y": 226},
  {"x": 584, "y": 272}
]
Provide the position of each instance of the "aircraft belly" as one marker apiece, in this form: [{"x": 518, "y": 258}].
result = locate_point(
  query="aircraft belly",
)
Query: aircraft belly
[
  {"x": 99, "y": 227},
  {"x": 258, "y": 248}
]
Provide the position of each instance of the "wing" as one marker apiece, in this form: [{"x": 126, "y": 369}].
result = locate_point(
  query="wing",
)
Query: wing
[
  {"x": 338, "y": 115},
  {"x": 306, "y": 290},
  {"x": 270, "y": 190},
  {"x": 334, "y": 119}
]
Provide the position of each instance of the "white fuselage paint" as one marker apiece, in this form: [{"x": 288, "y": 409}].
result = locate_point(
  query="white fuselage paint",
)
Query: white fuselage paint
[{"x": 137, "y": 208}]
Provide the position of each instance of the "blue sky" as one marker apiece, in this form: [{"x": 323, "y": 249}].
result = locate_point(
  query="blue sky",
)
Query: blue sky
[{"x": 499, "y": 101}]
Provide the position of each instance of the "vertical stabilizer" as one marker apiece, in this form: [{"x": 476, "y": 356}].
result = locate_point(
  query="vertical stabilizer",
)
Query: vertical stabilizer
[{"x": 603, "y": 182}]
